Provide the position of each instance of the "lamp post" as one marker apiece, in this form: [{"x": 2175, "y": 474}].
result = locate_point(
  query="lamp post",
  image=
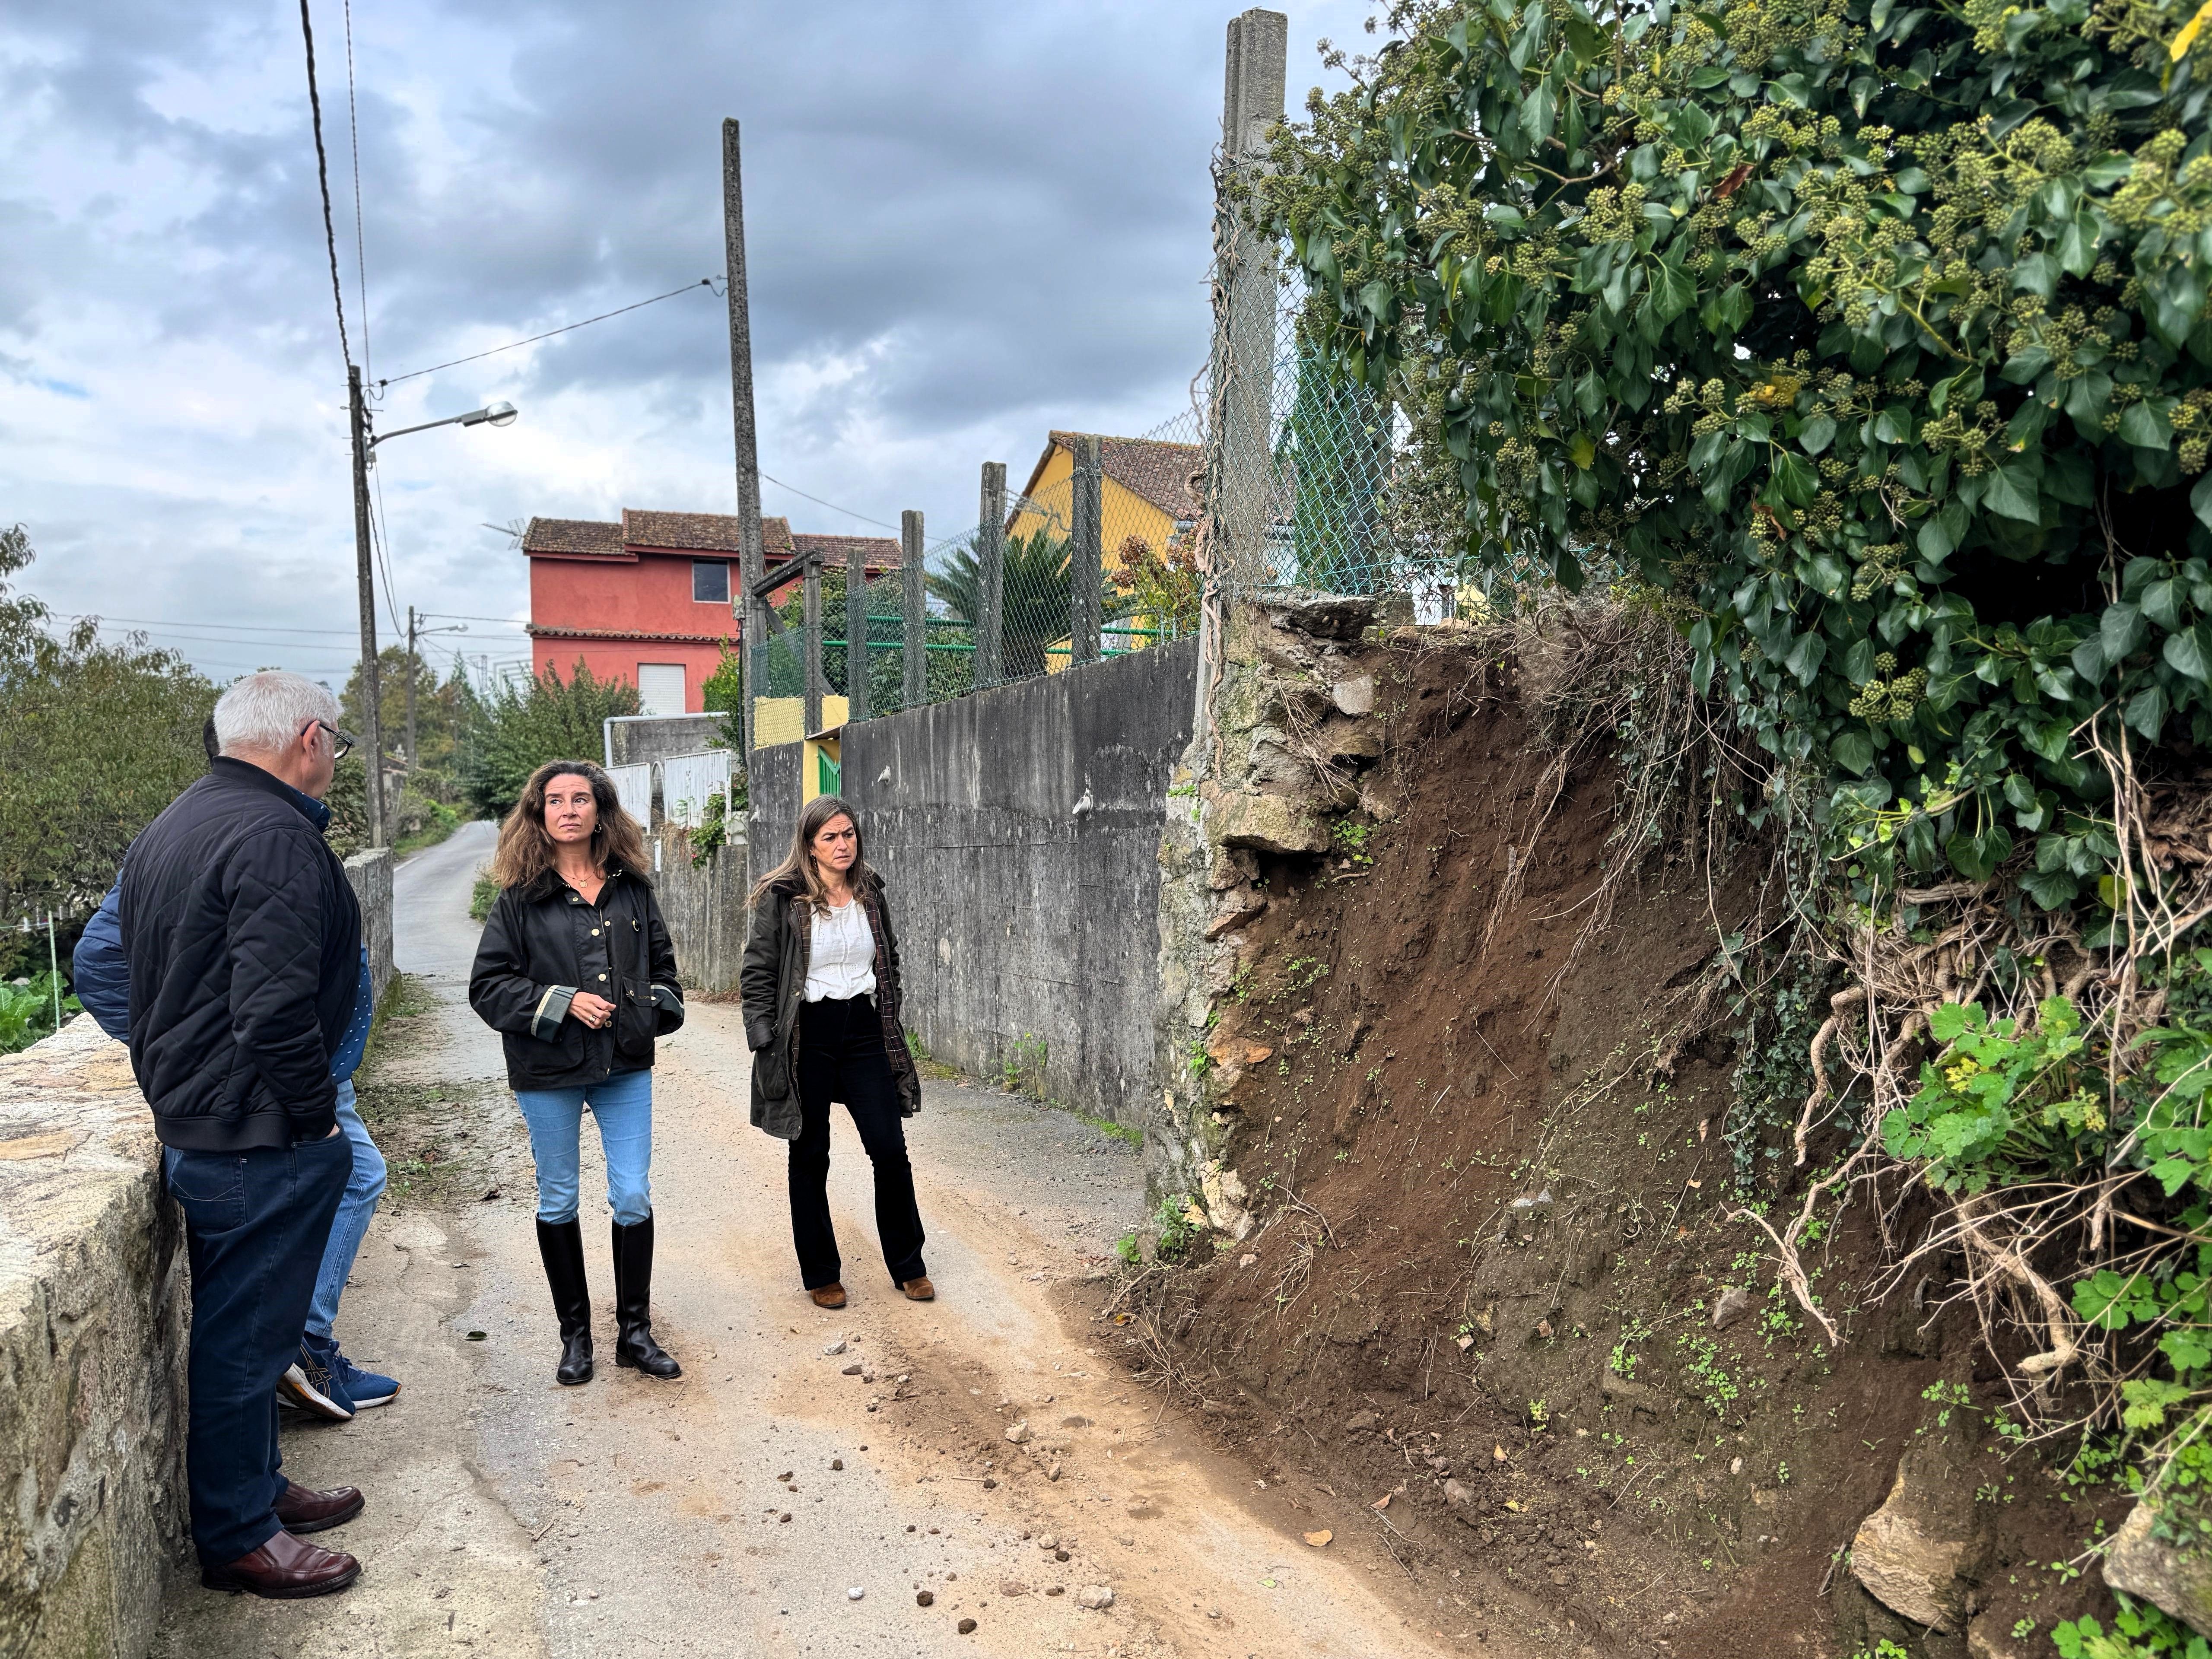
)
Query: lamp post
[{"x": 364, "y": 447}]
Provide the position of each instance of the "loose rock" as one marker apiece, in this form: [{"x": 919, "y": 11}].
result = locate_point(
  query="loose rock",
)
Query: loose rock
[
  {"x": 851, "y": 1370},
  {"x": 1457, "y": 1494},
  {"x": 1096, "y": 1597},
  {"x": 1908, "y": 1553},
  {"x": 966, "y": 1626},
  {"x": 925, "y": 1598},
  {"x": 1734, "y": 1302},
  {"x": 835, "y": 1348},
  {"x": 1019, "y": 1433},
  {"x": 1360, "y": 1423},
  {"x": 1355, "y": 696},
  {"x": 2151, "y": 1569},
  {"x": 855, "y": 1594}
]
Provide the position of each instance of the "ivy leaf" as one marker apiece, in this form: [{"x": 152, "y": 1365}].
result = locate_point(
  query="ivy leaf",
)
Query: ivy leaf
[
  {"x": 1674, "y": 290},
  {"x": 2146, "y": 715},
  {"x": 2190, "y": 652},
  {"x": 2200, "y": 500},
  {"x": 2142, "y": 427},
  {"x": 1794, "y": 476},
  {"x": 1816, "y": 434},
  {"x": 2052, "y": 890},
  {"x": 1854, "y": 752},
  {"x": 2120, "y": 630},
  {"x": 2009, "y": 492}
]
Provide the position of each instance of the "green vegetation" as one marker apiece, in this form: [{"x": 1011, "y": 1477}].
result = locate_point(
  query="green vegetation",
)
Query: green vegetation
[
  {"x": 95, "y": 738},
  {"x": 482, "y": 896},
  {"x": 515, "y": 733},
  {"x": 27, "y": 1009}
]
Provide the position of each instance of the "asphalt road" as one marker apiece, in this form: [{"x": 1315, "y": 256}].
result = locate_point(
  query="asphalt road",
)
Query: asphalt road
[{"x": 733, "y": 1512}]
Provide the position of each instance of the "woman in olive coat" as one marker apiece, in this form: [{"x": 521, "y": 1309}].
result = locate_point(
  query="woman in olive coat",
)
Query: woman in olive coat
[{"x": 821, "y": 987}]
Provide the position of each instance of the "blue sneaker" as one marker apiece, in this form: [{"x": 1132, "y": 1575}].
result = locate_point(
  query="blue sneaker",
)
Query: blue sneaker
[
  {"x": 310, "y": 1384},
  {"x": 363, "y": 1388}
]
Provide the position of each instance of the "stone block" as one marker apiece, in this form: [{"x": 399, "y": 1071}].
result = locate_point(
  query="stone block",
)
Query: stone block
[
  {"x": 1912, "y": 1553},
  {"x": 1321, "y": 615},
  {"x": 2152, "y": 1570},
  {"x": 1267, "y": 823}
]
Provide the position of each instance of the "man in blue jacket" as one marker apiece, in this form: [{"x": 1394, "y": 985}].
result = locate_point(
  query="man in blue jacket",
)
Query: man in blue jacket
[{"x": 242, "y": 938}]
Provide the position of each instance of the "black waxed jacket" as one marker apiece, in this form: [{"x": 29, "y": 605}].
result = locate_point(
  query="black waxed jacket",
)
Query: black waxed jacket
[
  {"x": 542, "y": 945},
  {"x": 242, "y": 940},
  {"x": 774, "y": 983}
]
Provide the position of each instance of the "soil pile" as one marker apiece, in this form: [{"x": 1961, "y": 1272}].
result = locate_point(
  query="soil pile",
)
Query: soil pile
[{"x": 1498, "y": 1313}]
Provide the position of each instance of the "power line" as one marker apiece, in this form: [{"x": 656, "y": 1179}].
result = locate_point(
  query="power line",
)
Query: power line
[
  {"x": 360, "y": 243},
  {"x": 240, "y": 628},
  {"x": 832, "y": 505},
  {"x": 323, "y": 175},
  {"x": 704, "y": 281}
]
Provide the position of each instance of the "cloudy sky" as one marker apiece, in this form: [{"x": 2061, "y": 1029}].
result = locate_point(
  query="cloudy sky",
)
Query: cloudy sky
[{"x": 966, "y": 222}]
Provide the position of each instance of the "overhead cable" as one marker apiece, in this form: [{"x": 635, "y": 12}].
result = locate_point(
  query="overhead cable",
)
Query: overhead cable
[
  {"x": 323, "y": 175},
  {"x": 565, "y": 328}
]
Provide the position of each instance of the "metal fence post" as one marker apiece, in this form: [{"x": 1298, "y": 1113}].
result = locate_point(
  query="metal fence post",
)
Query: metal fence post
[
  {"x": 1085, "y": 555},
  {"x": 915, "y": 653},
  {"x": 813, "y": 626},
  {"x": 856, "y": 630},
  {"x": 991, "y": 574}
]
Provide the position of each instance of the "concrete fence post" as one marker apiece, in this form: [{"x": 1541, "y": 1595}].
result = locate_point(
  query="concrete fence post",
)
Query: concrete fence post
[
  {"x": 856, "y": 630},
  {"x": 914, "y": 591},
  {"x": 1245, "y": 337},
  {"x": 1085, "y": 561},
  {"x": 813, "y": 627},
  {"x": 991, "y": 575}
]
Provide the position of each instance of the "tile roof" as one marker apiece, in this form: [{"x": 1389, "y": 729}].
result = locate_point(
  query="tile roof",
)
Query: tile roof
[
  {"x": 1151, "y": 470},
  {"x": 876, "y": 552},
  {"x": 701, "y": 532},
  {"x": 572, "y": 536},
  {"x": 550, "y": 631}
]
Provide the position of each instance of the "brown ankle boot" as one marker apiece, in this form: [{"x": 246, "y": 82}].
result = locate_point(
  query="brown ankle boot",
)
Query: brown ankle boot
[{"x": 829, "y": 1296}]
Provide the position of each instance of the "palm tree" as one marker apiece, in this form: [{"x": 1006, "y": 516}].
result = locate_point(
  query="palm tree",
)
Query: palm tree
[{"x": 1035, "y": 609}]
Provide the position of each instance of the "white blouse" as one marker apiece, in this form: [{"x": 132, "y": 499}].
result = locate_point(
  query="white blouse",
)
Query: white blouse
[{"x": 841, "y": 961}]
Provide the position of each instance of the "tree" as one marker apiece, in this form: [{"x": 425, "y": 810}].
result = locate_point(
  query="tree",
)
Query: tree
[
  {"x": 94, "y": 740},
  {"x": 518, "y": 729},
  {"x": 1875, "y": 335},
  {"x": 1035, "y": 600}
]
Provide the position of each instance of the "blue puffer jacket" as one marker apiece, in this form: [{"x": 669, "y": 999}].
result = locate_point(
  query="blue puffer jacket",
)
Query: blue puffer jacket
[{"x": 101, "y": 981}]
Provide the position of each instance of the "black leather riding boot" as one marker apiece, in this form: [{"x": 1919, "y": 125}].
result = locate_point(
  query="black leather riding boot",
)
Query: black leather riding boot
[
  {"x": 561, "y": 1245},
  {"x": 634, "y": 1343}
]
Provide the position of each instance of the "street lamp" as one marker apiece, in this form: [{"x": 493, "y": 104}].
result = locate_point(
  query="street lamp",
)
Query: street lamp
[{"x": 364, "y": 447}]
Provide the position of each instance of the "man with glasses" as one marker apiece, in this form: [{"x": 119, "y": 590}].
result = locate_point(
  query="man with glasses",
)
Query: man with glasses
[{"x": 243, "y": 942}]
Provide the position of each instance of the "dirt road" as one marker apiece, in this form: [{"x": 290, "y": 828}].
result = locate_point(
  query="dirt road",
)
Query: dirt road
[{"x": 735, "y": 1511}]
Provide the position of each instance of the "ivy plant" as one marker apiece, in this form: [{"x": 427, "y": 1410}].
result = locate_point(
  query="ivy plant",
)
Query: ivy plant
[{"x": 1875, "y": 332}]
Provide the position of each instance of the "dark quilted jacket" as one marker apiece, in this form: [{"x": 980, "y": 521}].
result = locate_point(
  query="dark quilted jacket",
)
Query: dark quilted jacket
[
  {"x": 542, "y": 943},
  {"x": 243, "y": 939},
  {"x": 773, "y": 982}
]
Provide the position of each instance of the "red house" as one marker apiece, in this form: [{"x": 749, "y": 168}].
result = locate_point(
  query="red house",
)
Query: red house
[{"x": 652, "y": 599}]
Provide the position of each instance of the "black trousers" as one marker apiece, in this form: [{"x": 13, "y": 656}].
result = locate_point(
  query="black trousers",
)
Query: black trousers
[{"x": 841, "y": 1058}]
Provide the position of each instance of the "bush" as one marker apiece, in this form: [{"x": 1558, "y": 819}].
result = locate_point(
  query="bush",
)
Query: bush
[
  {"x": 27, "y": 1009},
  {"x": 1875, "y": 332},
  {"x": 520, "y": 729}
]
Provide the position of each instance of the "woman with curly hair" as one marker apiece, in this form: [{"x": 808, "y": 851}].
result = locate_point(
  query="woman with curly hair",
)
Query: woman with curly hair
[{"x": 576, "y": 973}]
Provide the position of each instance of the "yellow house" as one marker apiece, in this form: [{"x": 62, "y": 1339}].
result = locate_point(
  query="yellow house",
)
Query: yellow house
[{"x": 1149, "y": 491}]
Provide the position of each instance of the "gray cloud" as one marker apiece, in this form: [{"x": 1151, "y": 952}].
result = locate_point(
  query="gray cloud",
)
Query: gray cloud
[{"x": 965, "y": 223}]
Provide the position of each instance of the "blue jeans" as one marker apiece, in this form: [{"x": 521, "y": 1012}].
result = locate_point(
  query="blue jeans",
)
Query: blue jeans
[
  {"x": 354, "y": 1210},
  {"x": 255, "y": 1226},
  {"x": 623, "y": 1105}
]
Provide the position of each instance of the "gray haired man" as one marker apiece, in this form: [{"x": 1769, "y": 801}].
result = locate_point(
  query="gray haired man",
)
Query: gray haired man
[{"x": 243, "y": 940}]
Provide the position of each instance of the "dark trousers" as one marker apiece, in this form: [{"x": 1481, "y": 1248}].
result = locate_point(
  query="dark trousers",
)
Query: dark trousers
[
  {"x": 841, "y": 1057},
  {"x": 255, "y": 1225}
]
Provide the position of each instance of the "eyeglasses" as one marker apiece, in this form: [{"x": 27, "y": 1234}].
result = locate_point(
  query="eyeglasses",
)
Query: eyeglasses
[{"x": 341, "y": 744}]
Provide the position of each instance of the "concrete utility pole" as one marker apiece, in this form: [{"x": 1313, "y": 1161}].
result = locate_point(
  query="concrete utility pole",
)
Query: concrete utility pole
[
  {"x": 856, "y": 630},
  {"x": 372, "y": 735},
  {"x": 751, "y": 558},
  {"x": 414, "y": 672},
  {"x": 1240, "y": 466},
  {"x": 991, "y": 575},
  {"x": 915, "y": 655},
  {"x": 813, "y": 627},
  {"x": 1086, "y": 601}
]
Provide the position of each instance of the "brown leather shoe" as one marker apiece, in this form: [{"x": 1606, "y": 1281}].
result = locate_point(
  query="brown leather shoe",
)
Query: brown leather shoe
[
  {"x": 919, "y": 1289},
  {"x": 284, "y": 1569},
  {"x": 829, "y": 1296},
  {"x": 299, "y": 1510}
]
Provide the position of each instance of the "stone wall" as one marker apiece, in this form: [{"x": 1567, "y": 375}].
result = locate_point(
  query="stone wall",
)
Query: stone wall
[
  {"x": 1020, "y": 832},
  {"x": 632, "y": 739},
  {"x": 1289, "y": 732},
  {"x": 94, "y": 1316},
  {"x": 371, "y": 876}
]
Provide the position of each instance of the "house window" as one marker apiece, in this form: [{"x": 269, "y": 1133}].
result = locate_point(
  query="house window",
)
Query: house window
[
  {"x": 660, "y": 688},
  {"x": 710, "y": 582}
]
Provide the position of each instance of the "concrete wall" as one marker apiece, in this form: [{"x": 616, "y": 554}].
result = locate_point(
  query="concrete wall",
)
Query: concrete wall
[
  {"x": 1019, "y": 831},
  {"x": 94, "y": 1316},
  {"x": 631, "y": 739},
  {"x": 371, "y": 876},
  {"x": 703, "y": 904},
  {"x": 773, "y": 797}
]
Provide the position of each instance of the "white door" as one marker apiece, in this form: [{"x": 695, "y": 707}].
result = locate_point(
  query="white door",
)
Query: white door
[{"x": 660, "y": 688}]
